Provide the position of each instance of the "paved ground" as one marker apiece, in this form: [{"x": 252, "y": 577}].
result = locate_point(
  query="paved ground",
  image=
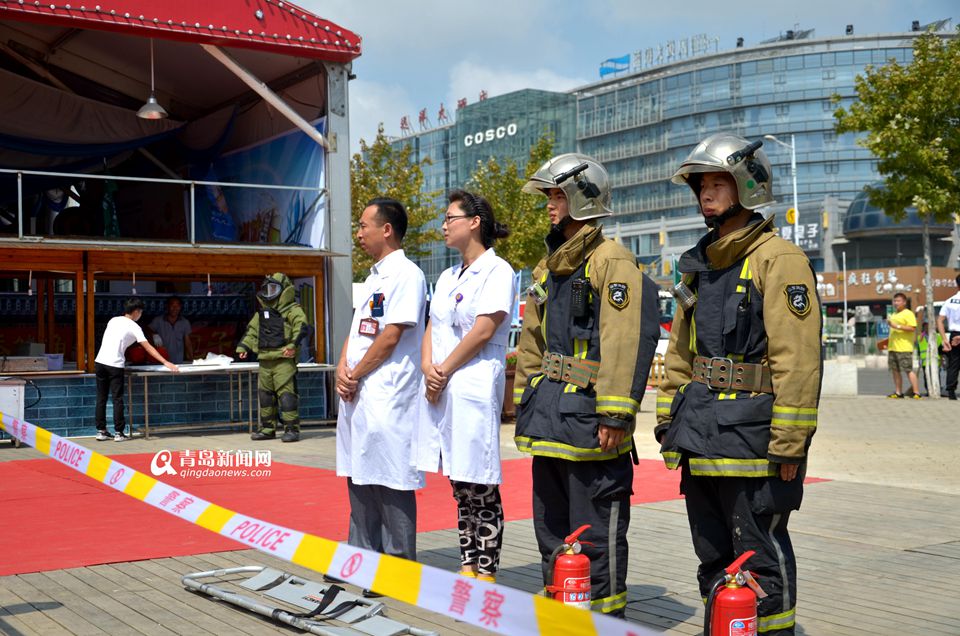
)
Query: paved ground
[
  {"x": 880, "y": 382},
  {"x": 878, "y": 545}
]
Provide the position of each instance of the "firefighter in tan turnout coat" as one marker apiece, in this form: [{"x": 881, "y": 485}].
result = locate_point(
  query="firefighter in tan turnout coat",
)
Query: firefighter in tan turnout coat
[
  {"x": 738, "y": 408},
  {"x": 589, "y": 333}
]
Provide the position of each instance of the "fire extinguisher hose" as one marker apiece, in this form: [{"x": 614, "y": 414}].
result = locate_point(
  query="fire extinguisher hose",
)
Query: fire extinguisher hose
[
  {"x": 708, "y": 612},
  {"x": 553, "y": 561}
]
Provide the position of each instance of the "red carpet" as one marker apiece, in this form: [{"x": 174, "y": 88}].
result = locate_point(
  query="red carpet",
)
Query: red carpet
[{"x": 56, "y": 518}]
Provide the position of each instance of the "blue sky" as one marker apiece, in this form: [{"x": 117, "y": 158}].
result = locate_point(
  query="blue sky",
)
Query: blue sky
[{"x": 420, "y": 54}]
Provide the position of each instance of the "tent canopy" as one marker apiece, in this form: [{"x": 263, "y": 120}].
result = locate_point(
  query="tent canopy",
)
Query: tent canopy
[{"x": 100, "y": 55}]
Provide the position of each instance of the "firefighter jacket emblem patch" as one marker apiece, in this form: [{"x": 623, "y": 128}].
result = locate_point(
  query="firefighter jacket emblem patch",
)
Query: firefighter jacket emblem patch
[
  {"x": 798, "y": 299},
  {"x": 618, "y": 295}
]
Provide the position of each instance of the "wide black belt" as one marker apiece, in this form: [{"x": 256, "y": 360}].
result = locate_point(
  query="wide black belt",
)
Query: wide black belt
[
  {"x": 578, "y": 371},
  {"x": 723, "y": 374}
]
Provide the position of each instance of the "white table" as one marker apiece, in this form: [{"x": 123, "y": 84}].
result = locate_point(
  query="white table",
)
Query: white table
[{"x": 234, "y": 369}]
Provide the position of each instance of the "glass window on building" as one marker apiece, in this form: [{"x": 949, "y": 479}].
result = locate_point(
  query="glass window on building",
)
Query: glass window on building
[{"x": 679, "y": 238}]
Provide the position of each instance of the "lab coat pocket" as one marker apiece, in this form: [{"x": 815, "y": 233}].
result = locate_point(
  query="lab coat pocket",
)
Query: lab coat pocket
[{"x": 478, "y": 379}]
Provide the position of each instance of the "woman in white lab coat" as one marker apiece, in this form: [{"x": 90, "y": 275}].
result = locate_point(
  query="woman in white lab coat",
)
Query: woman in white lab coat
[{"x": 463, "y": 356}]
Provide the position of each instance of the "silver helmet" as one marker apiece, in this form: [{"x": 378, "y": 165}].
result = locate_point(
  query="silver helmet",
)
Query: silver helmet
[
  {"x": 582, "y": 178},
  {"x": 725, "y": 152}
]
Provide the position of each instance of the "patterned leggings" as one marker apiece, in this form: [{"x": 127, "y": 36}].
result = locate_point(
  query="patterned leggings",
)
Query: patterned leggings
[{"x": 480, "y": 522}]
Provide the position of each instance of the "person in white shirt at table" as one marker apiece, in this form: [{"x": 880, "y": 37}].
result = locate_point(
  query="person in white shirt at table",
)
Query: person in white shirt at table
[
  {"x": 463, "y": 359},
  {"x": 121, "y": 332},
  {"x": 378, "y": 380}
]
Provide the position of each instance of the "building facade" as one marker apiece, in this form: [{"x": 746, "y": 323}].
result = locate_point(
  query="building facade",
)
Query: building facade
[
  {"x": 641, "y": 125},
  {"x": 505, "y": 127}
]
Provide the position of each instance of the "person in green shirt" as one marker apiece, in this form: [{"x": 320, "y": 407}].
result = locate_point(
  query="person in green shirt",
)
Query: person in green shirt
[
  {"x": 903, "y": 328},
  {"x": 922, "y": 351}
]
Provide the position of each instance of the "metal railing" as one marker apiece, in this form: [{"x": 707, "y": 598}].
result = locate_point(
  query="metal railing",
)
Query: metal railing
[{"x": 191, "y": 229}]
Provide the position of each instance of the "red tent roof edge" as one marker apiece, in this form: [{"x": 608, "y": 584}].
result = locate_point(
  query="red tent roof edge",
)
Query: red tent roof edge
[{"x": 275, "y": 26}]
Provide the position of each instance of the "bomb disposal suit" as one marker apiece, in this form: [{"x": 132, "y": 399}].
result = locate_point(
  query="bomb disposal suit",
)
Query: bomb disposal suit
[
  {"x": 742, "y": 385},
  {"x": 277, "y": 327},
  {"x": 589, "y": 334}
]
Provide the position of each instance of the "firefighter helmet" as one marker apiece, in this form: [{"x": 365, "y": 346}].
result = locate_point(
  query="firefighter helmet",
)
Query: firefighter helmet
[
  {"x": 725, "y": 152},
  {"x": 582, "y": 178}
]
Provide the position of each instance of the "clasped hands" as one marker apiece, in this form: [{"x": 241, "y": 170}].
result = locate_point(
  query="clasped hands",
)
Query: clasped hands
[
  {"x": 436, "y": 380},
  {"x": 346, "y": 383}
]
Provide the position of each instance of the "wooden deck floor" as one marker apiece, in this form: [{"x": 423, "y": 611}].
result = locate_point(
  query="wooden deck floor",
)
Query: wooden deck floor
[{"x": 874, "y": 558}]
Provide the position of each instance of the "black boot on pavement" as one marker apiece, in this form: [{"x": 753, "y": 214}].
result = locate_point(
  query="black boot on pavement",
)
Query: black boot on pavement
[
  {"x": 290, "y": 435},
  {"x": 260, "y": 435}
]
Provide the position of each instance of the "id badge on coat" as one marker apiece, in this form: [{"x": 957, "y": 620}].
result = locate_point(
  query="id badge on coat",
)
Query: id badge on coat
[{"x": 369, "y": 327}]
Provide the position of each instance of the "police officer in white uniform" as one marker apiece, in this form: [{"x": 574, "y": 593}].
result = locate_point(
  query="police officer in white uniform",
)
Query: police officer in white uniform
[
  {"x": 948, "y": 323},
  {"x": 464, "y": 352},
  {"x": 378, "y": 381}
]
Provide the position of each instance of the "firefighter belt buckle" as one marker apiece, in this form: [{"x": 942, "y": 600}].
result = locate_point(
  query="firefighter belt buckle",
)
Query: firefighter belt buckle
[
  {"x": 719, "y": 374},
  {"x": 552, "y": 365}
]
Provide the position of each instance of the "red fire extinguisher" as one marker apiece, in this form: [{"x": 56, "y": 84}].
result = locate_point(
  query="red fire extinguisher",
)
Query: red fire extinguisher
[
  {"x": 570, "y": 571},
  {"x": 732, "y": 604}
]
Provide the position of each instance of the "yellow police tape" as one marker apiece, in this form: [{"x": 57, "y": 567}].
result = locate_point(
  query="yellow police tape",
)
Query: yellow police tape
[{"x": 497, "y": 608}]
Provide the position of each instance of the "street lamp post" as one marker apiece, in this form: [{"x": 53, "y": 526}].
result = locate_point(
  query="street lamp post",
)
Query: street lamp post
[{"x": 793, "y": 171}]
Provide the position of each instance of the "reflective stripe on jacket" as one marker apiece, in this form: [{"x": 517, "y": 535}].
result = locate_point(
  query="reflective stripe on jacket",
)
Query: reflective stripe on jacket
[
  {"x": 619, "y": 330},
  {"x": 756, "y": 303}
]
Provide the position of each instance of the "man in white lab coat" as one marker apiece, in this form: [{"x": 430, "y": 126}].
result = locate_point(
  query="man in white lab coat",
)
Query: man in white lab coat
[{"x": 378, "y": 381}]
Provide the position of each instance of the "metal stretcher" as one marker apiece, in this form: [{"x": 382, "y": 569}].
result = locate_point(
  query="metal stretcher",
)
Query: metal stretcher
[{"x": 322, "y": 603}]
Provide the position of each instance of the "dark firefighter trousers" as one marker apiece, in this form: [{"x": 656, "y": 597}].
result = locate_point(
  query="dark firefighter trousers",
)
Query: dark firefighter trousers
[
  {"x": 569, "y": 494},
  {"x": 277, "y": 387},
  {"x": 730, "y": 515}
]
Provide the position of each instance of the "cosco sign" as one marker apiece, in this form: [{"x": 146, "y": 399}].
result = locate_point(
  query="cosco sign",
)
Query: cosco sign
[{"x": 490, "y": 134}]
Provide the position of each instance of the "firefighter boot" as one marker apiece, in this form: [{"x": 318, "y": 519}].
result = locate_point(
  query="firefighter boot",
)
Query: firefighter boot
[
  {"x": 290, "y": 435},
  {"x": 262, "y": 435}
]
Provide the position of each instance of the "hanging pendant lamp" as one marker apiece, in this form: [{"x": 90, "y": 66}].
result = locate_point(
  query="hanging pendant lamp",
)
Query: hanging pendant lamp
[{"x": 152, "y": 109}]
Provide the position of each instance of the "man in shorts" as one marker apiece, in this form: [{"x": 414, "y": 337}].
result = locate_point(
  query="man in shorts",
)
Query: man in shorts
[{"x": 903, "y": 333}]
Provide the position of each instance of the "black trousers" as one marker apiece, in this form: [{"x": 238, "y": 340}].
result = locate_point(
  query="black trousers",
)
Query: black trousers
[
  {"x": 569, "y": 494},
  {"x": 953, "y": 364},
  {"x": 109, "y": 379},
  {"x": 730, "y": 515},
  {"x": 383, "y": 520}
]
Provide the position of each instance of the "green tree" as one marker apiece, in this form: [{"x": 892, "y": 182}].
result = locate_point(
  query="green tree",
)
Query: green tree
[
  {"x": 381, "y": 170},
  {"x": 911, "y": 117},
  {"x": 523, "y": 213}
]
